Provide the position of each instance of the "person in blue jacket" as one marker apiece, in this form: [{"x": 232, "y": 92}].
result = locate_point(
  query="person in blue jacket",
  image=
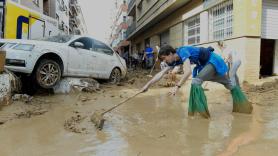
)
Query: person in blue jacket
[
  {"x": 209, "y": 66},
  {"x": 149, "y": 56}
]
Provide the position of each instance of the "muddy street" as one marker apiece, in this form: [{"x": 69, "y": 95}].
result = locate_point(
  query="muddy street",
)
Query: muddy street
[{"x": 150, "y": 124}]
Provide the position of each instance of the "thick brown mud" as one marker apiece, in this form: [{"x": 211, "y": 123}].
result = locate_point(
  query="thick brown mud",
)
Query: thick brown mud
[{"x": 151, "y": 124}]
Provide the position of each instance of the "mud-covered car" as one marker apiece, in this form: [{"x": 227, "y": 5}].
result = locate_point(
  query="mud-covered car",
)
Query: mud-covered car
[{"x": 47, "y": 60}]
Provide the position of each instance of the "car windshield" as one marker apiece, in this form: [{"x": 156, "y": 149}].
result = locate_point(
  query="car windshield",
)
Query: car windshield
[
  {"x": 8, "y": 45},
  {"x": 58, "y": 38}
]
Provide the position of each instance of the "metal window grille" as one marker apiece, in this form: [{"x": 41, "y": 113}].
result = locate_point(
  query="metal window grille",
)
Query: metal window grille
[
  {"x": 221, "y": 21},
  {"x": 192, "y": 30}
]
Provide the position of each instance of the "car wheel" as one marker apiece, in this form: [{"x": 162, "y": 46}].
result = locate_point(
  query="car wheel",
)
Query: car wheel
[
  {"x": 47, "y": 73},
  {"x": 115, "y": 76}
]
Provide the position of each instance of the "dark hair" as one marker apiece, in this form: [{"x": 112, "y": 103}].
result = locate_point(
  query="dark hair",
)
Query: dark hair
[
  {"x": 166, "y": 50},
  {"x": 211, "y": 49}
]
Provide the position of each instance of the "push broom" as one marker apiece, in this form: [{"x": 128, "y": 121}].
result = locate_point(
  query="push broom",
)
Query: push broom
[{"x": 98, "y": 117}]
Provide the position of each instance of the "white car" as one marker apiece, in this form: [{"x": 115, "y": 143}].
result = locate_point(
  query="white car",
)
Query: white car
[{"x": 49, "y": 59}]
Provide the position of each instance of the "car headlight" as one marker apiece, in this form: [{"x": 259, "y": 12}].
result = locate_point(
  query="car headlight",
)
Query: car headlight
[{"x": 25, "y": 47}]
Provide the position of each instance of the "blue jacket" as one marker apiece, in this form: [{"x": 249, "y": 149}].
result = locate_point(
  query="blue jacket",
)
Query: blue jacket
[
  {"x": 201, "y": 57},
  {"x": 149, "y": 52}
]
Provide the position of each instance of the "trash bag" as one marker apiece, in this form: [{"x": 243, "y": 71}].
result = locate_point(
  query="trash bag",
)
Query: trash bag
[
  {"x": 198, "y": 101},
  {"x": 240, "y": 101}
]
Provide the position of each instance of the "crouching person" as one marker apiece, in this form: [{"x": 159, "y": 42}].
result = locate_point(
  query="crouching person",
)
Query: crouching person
[{"x": 209, "y": 67}]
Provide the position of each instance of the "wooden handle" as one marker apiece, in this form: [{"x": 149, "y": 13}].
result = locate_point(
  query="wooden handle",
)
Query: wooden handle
[
  {"x": 158, "y": 49},
  {"x": 117, "y": 105}
]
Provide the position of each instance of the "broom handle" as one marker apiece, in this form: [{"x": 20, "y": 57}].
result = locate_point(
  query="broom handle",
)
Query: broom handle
[
  {"x": 153, "y": 66},
  {"x": 158, "y": 49},
  {"x": 117, "y": 105}
]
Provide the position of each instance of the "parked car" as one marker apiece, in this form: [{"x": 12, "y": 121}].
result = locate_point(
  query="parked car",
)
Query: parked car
[{"x": 47, "y": 60}]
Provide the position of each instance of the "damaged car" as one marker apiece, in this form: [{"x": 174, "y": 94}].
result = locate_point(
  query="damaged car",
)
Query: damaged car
[{"x": 48, "y": 59}]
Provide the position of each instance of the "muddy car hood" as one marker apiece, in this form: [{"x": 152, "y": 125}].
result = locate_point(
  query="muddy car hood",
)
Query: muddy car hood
[{"x": 33, "y": 42}]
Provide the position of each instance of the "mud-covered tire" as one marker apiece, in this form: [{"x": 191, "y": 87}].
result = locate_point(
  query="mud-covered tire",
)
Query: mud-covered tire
[
  {"x": 47, "y": 73},
  {"x": 115, "y": 76}
]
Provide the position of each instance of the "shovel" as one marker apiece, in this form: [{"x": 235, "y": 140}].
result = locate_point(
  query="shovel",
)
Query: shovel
[{"x": 97, "y": 117}]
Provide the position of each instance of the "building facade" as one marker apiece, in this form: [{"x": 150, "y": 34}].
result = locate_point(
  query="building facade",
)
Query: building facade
[
  {"x": 76, "y": 19},
  {"x": 249, "y": 27},
  {"x": 61, "y": 10},
  {"x": 65, "y": 15},
  {"x": 119, "y": 27}
]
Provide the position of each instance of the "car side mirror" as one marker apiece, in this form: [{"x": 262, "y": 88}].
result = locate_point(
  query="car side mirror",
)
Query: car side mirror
[{"x": 78, "y": 45}]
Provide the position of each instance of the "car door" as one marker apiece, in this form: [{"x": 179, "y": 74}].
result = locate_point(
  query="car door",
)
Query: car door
[
  {"x": 79, "y": 58},
  {"x": 104, "y": 59}
]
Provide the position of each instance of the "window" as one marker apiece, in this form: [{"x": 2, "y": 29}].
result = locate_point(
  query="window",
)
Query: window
[
  {"x": 192, "y": 30},
  {"x": 66, "y": 11},
  {"x": 124, "y": 35},
  {"x": 57, "y": 17},
  {"x": 102, "y": 48},
  {"x": 221, "y": 21},
  {"x": 88, "y": 43},
  {"x": 124, "y": 18},
  {"x": 36, "y": 2}
]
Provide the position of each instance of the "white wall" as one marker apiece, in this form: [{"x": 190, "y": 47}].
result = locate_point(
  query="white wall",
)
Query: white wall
[
  {"x": 204, "y": 27},
  {"x": 63, "y": 16}
]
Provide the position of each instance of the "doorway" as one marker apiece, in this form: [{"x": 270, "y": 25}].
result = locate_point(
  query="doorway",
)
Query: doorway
[{"x": 267, "y": 57}]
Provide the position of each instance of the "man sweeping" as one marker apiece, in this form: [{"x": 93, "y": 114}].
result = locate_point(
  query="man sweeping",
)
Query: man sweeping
[{"x": 209, "y": 67}]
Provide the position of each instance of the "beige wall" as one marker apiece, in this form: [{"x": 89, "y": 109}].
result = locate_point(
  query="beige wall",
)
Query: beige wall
[
  {"x": 249, "y": 51},
  {"x": 154, "y": 41},
  {"x": 247, "y": 17},
  {"x": 176, "y": 35}
]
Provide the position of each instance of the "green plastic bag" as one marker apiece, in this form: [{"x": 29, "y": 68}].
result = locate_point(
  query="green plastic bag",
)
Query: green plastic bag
[
  {"x": 198, "y": 101},
  {"x": 240, "y": 102}
]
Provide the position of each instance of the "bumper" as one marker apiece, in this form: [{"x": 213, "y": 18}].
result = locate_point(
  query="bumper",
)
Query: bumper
[
  {"x": 19, "y": 69},
  {"x": 20, "y": 55}
]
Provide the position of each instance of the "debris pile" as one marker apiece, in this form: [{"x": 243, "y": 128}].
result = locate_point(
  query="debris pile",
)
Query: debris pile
[
  {"x": 266, "y": 86},
  {"x": 9, "y": 83},
  {"x": 71, "y": 85}
]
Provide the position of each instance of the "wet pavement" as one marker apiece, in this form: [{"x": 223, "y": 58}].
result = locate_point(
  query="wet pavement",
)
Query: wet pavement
[{"x": 151, "y": 124}]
